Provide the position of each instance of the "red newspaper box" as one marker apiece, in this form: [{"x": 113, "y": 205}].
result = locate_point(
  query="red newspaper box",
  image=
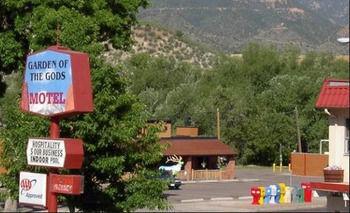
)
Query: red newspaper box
[
  {"x": 256, "y": 193},
  {"x": 307, "y": 192}
]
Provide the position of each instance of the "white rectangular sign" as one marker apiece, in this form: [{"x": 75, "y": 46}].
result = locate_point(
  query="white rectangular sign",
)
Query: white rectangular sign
[
  {"x": 46, "y": 152},
  {"x": 32, "y": 188}
]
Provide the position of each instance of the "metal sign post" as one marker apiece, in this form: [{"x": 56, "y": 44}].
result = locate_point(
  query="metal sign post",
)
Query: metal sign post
[{"x": 52, "y": 196}]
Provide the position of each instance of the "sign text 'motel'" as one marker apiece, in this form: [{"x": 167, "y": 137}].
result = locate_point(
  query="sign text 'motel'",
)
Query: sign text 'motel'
[
  {"x": 61, "y": 153},
  {"x": 57, "y": 83}
]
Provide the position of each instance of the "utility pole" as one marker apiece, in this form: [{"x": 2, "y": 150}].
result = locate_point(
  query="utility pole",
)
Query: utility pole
[
  {"x": 280, "y": 152},
  {"x": 218, "y": 122},
  {"x": 298, "y": 130}
]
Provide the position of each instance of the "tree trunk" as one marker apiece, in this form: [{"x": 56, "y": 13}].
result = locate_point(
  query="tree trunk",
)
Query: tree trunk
[{"x": 71, "y": 208}]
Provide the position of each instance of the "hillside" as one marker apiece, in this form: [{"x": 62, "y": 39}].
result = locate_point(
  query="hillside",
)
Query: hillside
[
  {"x": 160, "y": 42},
  {"x": 174, "y": 45},
  {"x": 228, "y": 25}
]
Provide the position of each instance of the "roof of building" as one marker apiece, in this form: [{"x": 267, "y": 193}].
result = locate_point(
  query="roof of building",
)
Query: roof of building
[
  {"x": 334, "y": 94},
  {"x": 196, "y": 146}
]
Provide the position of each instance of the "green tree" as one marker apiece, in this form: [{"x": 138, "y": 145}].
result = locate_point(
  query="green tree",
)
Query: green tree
[
  {"x": 261, "y": 63},
  {"x": 271, "y": 117},
  {"x": 119, "y": 165},
  {"x": 256, "y": 95},
  {"x": 159, "y": 81}
]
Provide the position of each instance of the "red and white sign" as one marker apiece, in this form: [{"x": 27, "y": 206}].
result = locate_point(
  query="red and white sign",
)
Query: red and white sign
[
  {"x": 57, "y": 83},
  {"x": 67, "y": 184},
  {"x": 32, "y": 188},
  {"x": 60, "y": 153}
]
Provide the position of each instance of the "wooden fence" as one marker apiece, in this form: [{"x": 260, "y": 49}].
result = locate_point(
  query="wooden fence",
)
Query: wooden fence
[
  {"x": 214, "y": 174},
  {"x": 308, "y": 164}
]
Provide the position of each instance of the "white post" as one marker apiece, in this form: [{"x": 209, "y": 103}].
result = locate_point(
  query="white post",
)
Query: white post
[{"x": 281, "y": 158}]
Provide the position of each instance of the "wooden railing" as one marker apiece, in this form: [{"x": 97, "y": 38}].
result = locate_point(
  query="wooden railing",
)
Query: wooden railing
[
  {"x": 206, "y": 174},
  {"x": 182, "y": 175}
]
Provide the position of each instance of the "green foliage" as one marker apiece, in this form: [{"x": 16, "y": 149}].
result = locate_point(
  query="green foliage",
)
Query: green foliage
[
  {"x": 179, "y": 34},
  {"x": 17, "y": 128},
  {"x": 260, "y": 65},
  {"x": 256, "y": 95},
  {"x": 10, "y": 52},
  {"x": 10, "y": 56},
  {"x": 120, "y": 164},
  {"x": 153, "y": 79}
]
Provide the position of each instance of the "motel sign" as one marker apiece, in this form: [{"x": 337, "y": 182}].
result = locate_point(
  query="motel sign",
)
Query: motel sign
[{"x": 56, "y": 84}]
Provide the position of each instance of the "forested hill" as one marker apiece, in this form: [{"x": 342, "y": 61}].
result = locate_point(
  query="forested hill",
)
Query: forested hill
[{"x": 229, "y": 25}]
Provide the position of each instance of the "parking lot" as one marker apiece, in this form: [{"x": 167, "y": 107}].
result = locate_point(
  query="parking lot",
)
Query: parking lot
[
  {"x": 234, "y": 195},
  {"x": 246, "y": 177}
]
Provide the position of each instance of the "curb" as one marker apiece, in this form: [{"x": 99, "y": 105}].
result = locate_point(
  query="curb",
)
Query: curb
[
  {"x": 221, "y": 198},
  {"x": 250, "y": 180},
  {"x": 245, "y": 198},
  {"x": 192, "y": 200},
  {"x": 218, "y": 181},
  {"x": 217, "y": 199}
]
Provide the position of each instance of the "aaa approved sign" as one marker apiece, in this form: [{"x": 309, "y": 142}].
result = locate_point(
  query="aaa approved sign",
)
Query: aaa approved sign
[{"x": 32, "y": 188}]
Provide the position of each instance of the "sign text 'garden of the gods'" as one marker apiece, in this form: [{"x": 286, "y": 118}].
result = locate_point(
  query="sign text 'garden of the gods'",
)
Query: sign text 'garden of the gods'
[{"x": 50, "y": 87}]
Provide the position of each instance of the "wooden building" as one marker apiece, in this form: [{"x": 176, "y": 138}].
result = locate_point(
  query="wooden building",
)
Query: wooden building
[{"x": 205, "y": 158}]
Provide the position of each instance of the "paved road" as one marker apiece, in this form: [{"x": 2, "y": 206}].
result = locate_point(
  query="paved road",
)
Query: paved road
[
  {"x": 245, "y": 206},
  {"x": 239, "y": 187},
  {"x": 234, "y": 195}
]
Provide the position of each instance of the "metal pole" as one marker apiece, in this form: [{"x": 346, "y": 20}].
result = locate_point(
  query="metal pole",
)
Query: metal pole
[
  {"x": 51, "y": 196},
  {"x": 218, "y": 122},
  {"x": 54, "y": 128},
  {"x": 298, "y": 130},
  {"x": 280, "y": 157},
  {"x": 323, "y": 140},
  {"x": 290, "y": 178}
]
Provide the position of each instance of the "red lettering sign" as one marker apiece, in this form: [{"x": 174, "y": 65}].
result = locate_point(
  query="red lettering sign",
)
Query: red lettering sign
[
  {"x": 67, "y": 184},
  {"x": 46, "y": 98}
]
